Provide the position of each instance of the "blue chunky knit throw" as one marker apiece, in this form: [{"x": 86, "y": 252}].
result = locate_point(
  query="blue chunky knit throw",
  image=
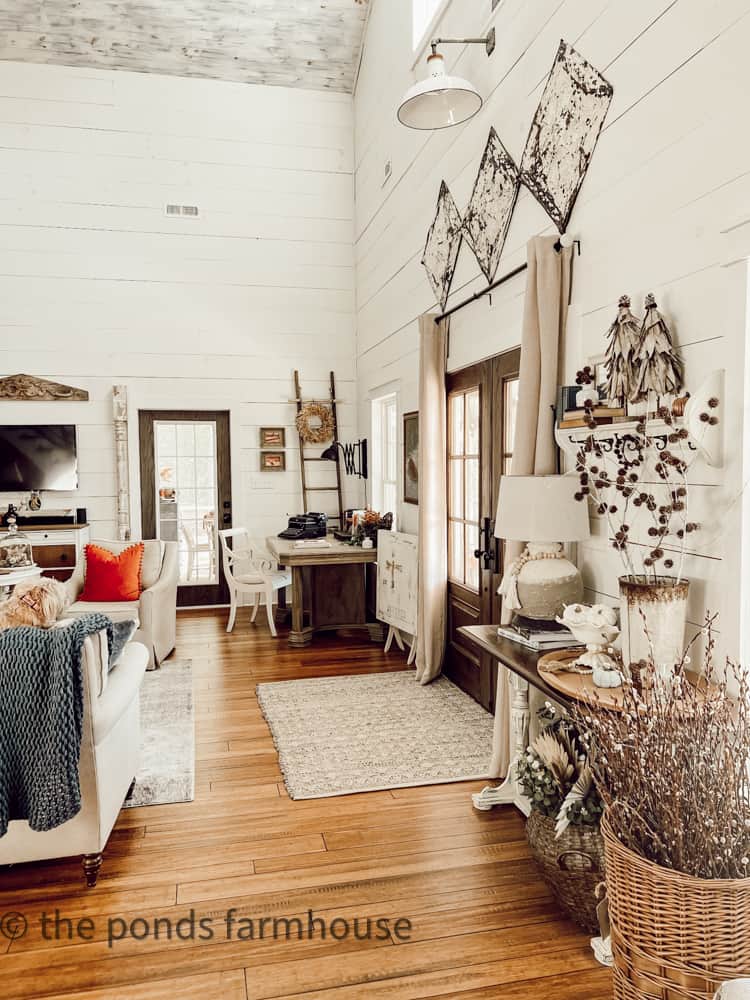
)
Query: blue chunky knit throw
[{"x": 41, "y": 721}]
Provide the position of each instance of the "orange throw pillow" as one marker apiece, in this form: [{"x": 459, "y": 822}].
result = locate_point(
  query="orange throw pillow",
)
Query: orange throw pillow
[{"x": 111, "y": 577}]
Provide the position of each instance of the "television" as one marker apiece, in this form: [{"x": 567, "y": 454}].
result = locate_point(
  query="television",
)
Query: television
[{"x": 38, "y": 457}]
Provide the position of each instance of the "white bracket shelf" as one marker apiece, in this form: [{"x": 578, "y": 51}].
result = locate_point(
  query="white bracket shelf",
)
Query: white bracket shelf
[{"x": 622, "y": 439}]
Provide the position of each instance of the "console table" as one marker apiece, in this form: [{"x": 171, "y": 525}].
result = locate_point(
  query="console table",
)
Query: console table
[
  {"x": 521, "y": 663},
  {"x": 329, "y": 587}
]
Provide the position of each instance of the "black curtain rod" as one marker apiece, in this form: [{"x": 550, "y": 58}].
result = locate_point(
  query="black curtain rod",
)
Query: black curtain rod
[{"x": 496, "y": 284}]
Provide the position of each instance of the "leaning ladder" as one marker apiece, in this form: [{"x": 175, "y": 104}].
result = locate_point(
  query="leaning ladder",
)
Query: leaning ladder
[{"x": 305, "y": 458}]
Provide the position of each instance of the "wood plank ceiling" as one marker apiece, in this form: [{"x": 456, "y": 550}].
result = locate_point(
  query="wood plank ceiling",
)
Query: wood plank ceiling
[{"x": 289, "y": 43}]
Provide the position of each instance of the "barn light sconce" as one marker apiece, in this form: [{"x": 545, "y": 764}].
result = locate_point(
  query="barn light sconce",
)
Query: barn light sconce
[
  {"x": 355, "y": 457},
  {"x": 441, "y": 100}
]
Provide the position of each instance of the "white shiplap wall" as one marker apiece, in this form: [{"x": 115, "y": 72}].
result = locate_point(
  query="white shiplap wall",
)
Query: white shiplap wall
[
  {"x": 98, "y": 286},
  {"x": 664, "y": 208}
]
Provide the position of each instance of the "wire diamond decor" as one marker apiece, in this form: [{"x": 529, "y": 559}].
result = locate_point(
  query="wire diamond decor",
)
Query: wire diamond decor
[
  {"x": 491, "y": 206},
  {"x": 442, "y": 246},
  {"x": 564, "y": 132}
]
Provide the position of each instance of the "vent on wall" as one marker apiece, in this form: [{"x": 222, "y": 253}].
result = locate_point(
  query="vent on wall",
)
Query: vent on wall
[{"x": 189, "y": 210}]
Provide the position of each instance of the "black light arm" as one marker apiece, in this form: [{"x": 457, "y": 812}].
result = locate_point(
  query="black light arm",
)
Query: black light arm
[{"x": 351, "y": 452}]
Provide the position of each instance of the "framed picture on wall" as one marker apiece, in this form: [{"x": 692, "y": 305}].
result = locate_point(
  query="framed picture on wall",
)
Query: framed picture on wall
[
  {"x": 272, "y": 437},
  {"x": 411, "y": 457},
  {"x": 272, "y": 461}
]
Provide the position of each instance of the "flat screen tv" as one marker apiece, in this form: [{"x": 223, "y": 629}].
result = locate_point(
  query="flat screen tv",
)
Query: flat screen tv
[{"x": 38, "y": 457}]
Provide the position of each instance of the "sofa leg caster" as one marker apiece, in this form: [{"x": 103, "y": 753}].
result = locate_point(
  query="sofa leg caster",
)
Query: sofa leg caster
[{"x": 91, "y": 865}]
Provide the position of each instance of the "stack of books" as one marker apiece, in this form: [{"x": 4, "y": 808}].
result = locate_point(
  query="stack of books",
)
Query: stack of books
[
  {"x": 541, "y": 638},
  {"x": 601, "y": 414}
]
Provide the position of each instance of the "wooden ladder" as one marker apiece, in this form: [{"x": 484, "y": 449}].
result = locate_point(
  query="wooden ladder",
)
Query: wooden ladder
[{"x": 304, "y": 459}]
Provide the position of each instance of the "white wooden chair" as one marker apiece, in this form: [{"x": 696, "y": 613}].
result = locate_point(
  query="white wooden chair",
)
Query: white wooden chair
[
  {"x": 194, "y": 548},
  {"x": 250, "y": 569}
]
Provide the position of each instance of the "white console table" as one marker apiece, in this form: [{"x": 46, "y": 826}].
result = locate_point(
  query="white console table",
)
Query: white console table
[{"x": 56, "y": 548}]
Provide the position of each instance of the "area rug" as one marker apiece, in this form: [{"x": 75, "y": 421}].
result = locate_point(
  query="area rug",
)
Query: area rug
[
  {"x": 339, "y": 735},
  {"x": 167, "y": 771}
]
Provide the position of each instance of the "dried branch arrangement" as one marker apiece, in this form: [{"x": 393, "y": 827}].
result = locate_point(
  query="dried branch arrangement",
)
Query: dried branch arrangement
[
  {"x": 673, "y": 768},
  {"x": 616, "y": 472}
]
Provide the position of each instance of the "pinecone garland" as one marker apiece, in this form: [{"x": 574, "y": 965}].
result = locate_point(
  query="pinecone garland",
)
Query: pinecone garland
[
  {"x": 659, "y": 368},
  {"x": 621, "y": 354}
]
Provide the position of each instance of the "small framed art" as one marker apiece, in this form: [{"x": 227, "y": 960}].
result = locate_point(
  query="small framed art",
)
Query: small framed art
[
  {"x": 272, "y": 461},
  {"x": 272, "y": 437}
]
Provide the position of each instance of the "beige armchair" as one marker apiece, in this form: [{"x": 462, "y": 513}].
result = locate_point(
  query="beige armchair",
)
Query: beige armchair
[
  {"x": 155, "y": 612},
  {"x": 110, "y": 748}
]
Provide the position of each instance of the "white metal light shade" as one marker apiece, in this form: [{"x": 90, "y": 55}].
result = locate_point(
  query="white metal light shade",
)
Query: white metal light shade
[
  {"x": 540, "y": 509},
  {"x": 439, "y": 101}
]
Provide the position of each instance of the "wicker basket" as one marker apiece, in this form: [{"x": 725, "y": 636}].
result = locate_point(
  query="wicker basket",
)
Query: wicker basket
[
  {"x": 572, "y": 866},
  {"x": 674, "y": 937}
]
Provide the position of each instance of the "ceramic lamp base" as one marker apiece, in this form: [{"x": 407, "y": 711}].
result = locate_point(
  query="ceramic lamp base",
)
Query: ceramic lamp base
[{"x": 547, "y": 582}]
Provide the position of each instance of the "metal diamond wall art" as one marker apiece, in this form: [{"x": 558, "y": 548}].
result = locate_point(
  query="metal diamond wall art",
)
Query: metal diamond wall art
[
  {"x": 564, "y": 133},
  {"x": 491, "y": 206},
  {"x": 442, "y": 246}
]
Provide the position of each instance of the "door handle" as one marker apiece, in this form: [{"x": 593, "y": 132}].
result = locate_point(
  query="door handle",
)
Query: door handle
[
  {"x": 486, "y": 550},
  {"x": 227, "y": 518}
]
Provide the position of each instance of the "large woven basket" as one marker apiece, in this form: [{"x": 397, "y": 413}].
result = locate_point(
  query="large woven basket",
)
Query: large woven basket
[
  {"x": 572, "y": 866},
  {"x": 674, "y": 937}
]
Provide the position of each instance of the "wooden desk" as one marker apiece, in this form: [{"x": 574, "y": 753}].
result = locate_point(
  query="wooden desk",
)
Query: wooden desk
[
  {"x": 521, "y": 663},
  {"x": 329, "y": 588}
]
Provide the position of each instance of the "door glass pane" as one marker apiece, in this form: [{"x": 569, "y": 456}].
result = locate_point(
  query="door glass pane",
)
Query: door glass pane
[
  {"x": 456, "y": 501},
  {"x": 187, "y": 495},
  {"x": 472, "y": 563},
  {"x": 456, "y": 551},
  {"x": 471, "y": 467},
  {"x": 456, "y": 420},
  {"x": 472, "y": 422},
  {"x": 510, "y": 393}
]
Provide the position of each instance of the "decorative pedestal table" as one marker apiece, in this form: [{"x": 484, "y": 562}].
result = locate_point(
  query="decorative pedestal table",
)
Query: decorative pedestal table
[{"x": 522, "y": 664}]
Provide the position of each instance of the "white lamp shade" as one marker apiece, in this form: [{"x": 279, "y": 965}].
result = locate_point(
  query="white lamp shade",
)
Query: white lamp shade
[
  {"x": 439, "y": 101},
  {"x": 541, "y": 509}
]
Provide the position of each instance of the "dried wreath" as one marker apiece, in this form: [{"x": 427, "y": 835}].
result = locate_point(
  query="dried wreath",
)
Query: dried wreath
[{"x": 315, "y": 423}]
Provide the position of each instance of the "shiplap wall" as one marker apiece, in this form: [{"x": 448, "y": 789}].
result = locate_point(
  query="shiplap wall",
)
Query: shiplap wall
[
  {"x": 98, "y": 286},
  {"x": 664, "y": 208}
]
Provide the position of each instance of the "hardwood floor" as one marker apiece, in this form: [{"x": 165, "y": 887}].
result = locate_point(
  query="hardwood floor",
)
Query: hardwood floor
[{"x": 482, "y": 922}]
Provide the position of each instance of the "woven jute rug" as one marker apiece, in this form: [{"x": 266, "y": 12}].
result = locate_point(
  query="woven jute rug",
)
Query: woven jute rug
[
  {"x": 339, "y": 735},
  {"x": 167, "y": 771}
]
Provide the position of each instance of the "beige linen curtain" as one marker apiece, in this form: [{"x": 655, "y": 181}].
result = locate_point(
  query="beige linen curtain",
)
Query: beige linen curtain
[
  {"x": 433, "y": 553},
  {"x": 542, "y": 338}
]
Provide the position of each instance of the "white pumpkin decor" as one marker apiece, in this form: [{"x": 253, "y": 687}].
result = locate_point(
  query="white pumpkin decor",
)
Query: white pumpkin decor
[{"x": 596, "y": 627}]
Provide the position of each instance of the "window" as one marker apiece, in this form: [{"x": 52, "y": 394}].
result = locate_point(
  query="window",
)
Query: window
[
  {"x": 463, "y": 487},
  {"x": 423, "y": 13},
  {"x": 510, "y": 409},
  {"x": 385, "y": 454}
]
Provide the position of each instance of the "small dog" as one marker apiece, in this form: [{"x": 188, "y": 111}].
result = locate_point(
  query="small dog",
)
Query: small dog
[{"x": 34, "y": 602}]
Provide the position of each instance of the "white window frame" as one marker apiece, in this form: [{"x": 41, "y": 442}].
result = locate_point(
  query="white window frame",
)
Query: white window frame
[{"x": 385, "y": 453}]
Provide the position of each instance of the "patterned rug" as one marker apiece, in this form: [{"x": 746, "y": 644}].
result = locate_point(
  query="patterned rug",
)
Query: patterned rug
[
  {"x": 167, "y": 771},
  {"x": 339, "y": 735}
]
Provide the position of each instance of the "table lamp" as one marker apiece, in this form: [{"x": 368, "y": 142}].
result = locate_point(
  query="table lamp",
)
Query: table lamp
[{"x": 541, "y": 511}]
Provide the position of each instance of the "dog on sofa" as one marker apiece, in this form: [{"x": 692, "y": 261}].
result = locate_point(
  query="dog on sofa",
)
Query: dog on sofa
[{"x": 36, "y": 602}]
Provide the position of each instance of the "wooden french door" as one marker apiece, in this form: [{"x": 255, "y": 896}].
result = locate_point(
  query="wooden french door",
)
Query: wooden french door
[
  {"x": 186, "y": 494},
  {"x": 481, "y": 423}
]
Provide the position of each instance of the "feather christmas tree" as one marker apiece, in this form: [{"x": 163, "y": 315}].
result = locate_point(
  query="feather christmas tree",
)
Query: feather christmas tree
[
  {"x": 622, "y": 349},
  {"x": 659, "y": 368}
]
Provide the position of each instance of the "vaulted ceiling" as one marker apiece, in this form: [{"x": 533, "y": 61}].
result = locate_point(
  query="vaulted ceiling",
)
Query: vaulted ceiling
[{"x": 289, "y": 43}]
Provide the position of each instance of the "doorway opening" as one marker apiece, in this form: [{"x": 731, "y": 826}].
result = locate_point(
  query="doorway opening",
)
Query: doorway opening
[{"x": 186, "y": 494}]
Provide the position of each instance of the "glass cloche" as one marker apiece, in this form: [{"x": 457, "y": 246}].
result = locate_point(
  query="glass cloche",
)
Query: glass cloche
[{"x": 15, "y": 547}]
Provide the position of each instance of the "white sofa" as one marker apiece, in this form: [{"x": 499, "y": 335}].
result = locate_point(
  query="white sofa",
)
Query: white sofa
[
  {"x": 110, "y": 748},
  {"x": 155, "y": 612}
]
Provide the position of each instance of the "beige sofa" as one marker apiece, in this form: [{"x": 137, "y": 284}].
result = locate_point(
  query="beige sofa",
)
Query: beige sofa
[
  {"x": 110, "y": 748},
  {"x": 155, "y": 612}
]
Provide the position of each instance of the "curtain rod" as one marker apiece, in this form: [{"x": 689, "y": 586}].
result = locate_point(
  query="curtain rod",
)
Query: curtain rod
[{"x": 496, "y": 284}]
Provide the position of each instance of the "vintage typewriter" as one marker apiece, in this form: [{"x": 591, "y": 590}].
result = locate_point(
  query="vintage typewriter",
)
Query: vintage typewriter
[{"x": 310, "y": 525}]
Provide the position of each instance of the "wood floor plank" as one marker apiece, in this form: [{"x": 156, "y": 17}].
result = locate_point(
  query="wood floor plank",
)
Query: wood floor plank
[{"x": 483, "y": 924}]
